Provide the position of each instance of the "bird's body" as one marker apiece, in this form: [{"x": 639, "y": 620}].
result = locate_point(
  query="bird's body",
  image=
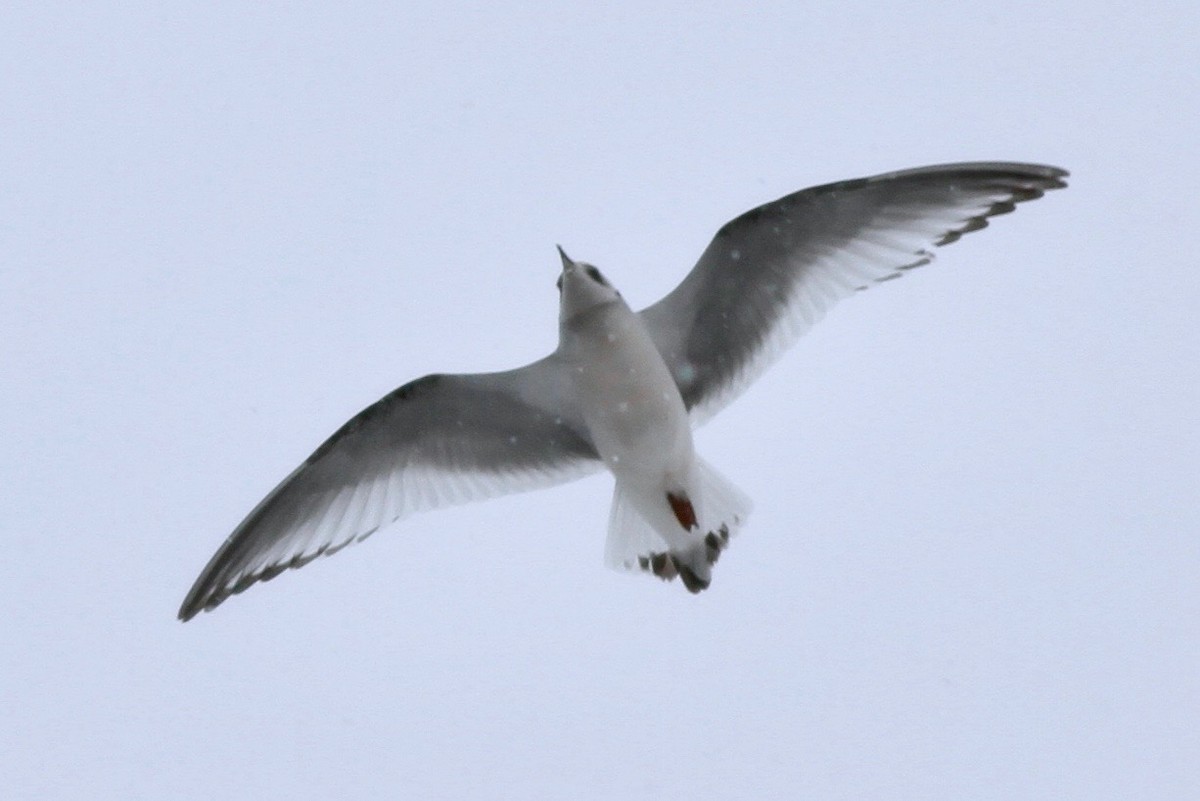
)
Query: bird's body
[
  {"x": 628, "y": 399},
  {"x": 637, "y": 420},
  {"x": 624, "y": 389}
]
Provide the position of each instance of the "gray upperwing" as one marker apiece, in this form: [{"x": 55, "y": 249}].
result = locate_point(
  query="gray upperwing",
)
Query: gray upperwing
[
  {"x": 439, "y": 440},
  {"x": 772, "y": 273}
]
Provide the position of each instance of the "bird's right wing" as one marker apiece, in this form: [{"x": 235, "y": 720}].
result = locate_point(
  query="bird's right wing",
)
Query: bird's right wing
[
  {"x": 773, "y": 272},
  {"x": 439, "y": 440}
]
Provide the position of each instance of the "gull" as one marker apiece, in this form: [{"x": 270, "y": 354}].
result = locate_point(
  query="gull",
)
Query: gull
[{"x": 623, "y": 390}]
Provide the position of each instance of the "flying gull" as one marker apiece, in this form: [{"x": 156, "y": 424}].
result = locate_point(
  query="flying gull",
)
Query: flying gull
[{"x": 624, "y": 389}]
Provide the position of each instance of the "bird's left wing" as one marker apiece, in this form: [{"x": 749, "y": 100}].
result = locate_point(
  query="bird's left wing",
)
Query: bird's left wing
[
  {"x": 437, "y": 441},
  {"x": 773, "y": 272}
]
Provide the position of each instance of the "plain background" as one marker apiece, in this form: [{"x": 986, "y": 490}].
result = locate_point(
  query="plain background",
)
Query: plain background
[{"x": 972, "y": 570}]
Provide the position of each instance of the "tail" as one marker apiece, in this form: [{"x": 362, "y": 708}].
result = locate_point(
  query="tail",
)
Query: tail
[{"x": 679, "y": 533}]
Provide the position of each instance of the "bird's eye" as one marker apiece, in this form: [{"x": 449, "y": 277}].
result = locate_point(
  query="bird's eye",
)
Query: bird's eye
[
  {"x": 558, "y": 283},
  {"x": 595, "y": 275}
]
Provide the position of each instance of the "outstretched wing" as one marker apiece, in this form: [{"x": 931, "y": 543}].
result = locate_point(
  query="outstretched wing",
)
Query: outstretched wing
[
  {"x": 773, "y": 272},
  {"x": 439, "y": 440}
]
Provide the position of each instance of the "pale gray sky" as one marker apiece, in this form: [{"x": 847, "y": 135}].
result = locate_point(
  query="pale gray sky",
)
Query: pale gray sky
[{"x": 973, "y": 566}]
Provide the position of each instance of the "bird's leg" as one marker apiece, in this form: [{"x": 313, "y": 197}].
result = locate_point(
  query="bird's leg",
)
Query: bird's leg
[{"x": 685, "y": 513}]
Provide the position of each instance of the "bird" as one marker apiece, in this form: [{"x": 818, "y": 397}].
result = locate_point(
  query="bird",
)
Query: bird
[{"x": 623, "y": 390}]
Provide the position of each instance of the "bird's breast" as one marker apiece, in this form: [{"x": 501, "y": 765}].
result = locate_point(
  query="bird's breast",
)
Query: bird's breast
[{"x": 630, "y": 403}]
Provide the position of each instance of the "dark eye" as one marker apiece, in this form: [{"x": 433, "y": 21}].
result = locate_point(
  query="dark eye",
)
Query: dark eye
[
  {"x": 558, "y": 283},
  {"x": 595, "y": 275}
]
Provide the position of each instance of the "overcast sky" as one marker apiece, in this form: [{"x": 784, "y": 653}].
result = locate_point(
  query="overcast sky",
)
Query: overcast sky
[{"x": 973, "y": 568}]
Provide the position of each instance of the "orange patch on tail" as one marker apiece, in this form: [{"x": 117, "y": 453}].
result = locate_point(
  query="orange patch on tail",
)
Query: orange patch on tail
[{"x": 684, "y": 512}]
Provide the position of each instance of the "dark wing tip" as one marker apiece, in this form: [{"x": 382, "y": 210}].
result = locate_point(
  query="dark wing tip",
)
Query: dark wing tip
[
  {"x": 221, "y": 577},
  {"x": 187, "y": 611},
  {"x": 210, "y": 592},
  {"x": 1043, "y": 176},
  {"x": 204, "y": 595},
  {"x": 1020, "y": 183},
  {"x": 1023, "y": 181},
  {"x": 213, "y": 587}
]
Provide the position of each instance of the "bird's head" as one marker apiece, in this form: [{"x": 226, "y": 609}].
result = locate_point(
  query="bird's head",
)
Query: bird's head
[{"x": 582, "y": 288}]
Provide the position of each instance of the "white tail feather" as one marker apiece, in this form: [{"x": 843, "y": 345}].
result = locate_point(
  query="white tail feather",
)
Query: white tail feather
[
  {"x": 629, "y": 534},
  {"x": 718, "y": 502},
  {"x": 639, "y": 510}
]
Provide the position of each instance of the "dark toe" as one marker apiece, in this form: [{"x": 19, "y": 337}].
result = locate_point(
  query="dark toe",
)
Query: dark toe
[{"x": 693, "y": 582}]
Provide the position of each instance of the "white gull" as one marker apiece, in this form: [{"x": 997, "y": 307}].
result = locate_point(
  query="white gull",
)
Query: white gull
[{"x": 624, "y": 389}]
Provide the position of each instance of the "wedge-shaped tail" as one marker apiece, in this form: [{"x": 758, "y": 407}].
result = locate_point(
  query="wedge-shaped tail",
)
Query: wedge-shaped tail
[{"x": 646, "y": 530}]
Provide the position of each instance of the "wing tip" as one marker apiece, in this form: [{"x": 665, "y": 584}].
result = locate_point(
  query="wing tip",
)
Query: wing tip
[
  {"x": 1048, "y": 176},
  {"x": 205, "y": 597},
  {"x": 202, "y": 598},
  {"x": 197, "y": 602},
  {"x": 198, "y": 599},
  {"x": 209, "y": 592},
  {"x": 1021, "y": 183}
]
